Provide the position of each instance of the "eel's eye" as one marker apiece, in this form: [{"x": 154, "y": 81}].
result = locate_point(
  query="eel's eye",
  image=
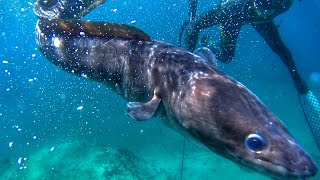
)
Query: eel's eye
[
  {"x": 48, "y": 3},
  {"x": 255, "y": 143}
]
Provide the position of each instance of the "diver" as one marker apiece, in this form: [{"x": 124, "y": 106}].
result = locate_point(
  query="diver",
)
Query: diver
[{"x": 232, "y": 15}]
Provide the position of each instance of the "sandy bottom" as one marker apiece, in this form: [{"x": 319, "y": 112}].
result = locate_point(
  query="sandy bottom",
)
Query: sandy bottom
[{"x": 75, "y": 160}]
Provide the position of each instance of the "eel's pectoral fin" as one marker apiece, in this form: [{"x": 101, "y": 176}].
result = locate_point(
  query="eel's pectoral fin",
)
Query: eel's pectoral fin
[
  {"x": 206, "y": 54},
  {"x": 143, "y": 111}
]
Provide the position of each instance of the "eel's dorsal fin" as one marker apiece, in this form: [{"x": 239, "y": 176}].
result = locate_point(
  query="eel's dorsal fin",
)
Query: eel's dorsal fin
[
  {"x": 143, "y": 111},
  {"x": 94, "y": 29}
]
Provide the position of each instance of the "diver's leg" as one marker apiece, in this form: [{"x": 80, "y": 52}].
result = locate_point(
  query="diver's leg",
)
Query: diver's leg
[
  {"x": 228, "y": 41},
  {"x": 270, "y": 33},
  {"x": 205, "y": 20},
  {"x": 192, "y": 9},
  {"x": 192, "y": 15}
]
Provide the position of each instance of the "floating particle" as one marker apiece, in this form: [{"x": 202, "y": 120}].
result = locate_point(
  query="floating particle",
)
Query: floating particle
[
  {"x": 56, "y": 42},
  {"x": 133, "y": 21},
  {"x": 23, "y": 10},
  {"x": 5, "y": 62},
  {"x": 84, "y": 75},
  {"x": 30, "y": 80},
  {"x": 141, "y": 131},
  {"x": 79, "y": 108},
  {"x": 33, "y": 55},
  {"x": 52, "y": 149},
  {"x": 20, "y": 160},
  {"x": 114, "y": 10},
  {"x": 23, "y": 167},
  {"x": 34, "y": 137},
  {"x": 10, "y": 144}
]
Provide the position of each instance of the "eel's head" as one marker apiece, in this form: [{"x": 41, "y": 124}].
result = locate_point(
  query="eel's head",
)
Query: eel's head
[{"x": 231, "y": 121}]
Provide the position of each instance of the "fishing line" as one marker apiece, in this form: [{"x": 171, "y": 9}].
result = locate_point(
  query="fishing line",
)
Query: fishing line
[{"x": 182, "y": 160}]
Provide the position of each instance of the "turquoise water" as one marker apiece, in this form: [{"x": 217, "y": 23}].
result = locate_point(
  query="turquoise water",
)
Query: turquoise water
[{"x": 45, "y": 135}]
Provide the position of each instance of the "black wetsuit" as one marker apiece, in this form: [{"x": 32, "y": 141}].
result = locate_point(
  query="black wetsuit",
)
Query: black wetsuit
[{"x": 232, "y": 15}]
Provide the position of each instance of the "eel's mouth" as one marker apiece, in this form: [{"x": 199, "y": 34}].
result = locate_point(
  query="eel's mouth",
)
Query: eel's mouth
[{"x": 302, "y": 169}]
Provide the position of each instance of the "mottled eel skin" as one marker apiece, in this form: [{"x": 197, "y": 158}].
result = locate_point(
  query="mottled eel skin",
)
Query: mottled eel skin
[{"x": 189, "y": 94}]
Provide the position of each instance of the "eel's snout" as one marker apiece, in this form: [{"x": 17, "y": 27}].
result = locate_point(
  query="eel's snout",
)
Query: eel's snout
[
  {"x": 303, "y": 168},
  {"x": 296, "y": 160},
  {"x": 292, "y": 162},
  {"x": 285, "y": 166}
]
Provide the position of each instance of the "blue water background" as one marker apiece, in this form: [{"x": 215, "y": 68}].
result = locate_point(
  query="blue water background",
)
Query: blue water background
[{"x": 38, "y": 101}]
